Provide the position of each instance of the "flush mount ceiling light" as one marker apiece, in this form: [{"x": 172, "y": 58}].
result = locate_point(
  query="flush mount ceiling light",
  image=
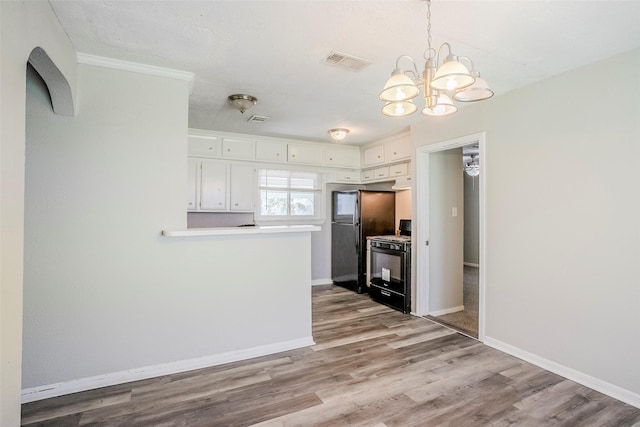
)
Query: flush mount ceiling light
[
  {"x": 339, "y": 134},
  {"x": 242, "y": 102},
  {"x": 439, "y": 83},
  {"x": 472, "y": 168}
]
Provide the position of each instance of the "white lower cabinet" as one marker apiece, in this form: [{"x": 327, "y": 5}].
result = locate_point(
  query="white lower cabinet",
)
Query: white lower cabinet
[
  {"x": 243, "y": 187},
  {"x": 213, "y": 186}
]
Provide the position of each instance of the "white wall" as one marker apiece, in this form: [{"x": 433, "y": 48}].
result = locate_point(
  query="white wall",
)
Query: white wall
[
  {"x": 562, "y": 218},
  {"x": 23, "y": 26},
  {"x": 104, "y": 291},
  {"x": 471, "y": 218},
  {"x": 445, "y": 231}
]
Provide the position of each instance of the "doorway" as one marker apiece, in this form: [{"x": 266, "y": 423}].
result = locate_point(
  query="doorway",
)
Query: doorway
[{"x": 449, "y": 284}]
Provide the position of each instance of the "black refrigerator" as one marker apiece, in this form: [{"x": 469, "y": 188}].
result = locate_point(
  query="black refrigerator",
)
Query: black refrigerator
[{"x": 356, "y": 215}]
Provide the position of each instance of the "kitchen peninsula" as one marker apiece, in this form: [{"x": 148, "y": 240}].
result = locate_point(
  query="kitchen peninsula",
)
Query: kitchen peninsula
[{"x": 258, "y": 284}]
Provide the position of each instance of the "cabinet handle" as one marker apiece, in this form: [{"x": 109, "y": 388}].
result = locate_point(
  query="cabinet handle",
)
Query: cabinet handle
[
  {"x": 380, "y": 174},
  {"x": 228, "y": 149},
  {"x": 293, "y": 155},
  {"x": 236, "y": 204}
]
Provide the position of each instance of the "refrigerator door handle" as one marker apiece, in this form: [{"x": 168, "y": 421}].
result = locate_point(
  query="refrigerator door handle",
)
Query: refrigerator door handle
[
  {"x": 356, "y": 213},
  {"x": 356, "y": 231}
]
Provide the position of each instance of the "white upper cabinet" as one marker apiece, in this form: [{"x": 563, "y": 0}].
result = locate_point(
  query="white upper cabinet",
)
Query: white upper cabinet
[
  {"x": 243, "y": 187},
  {"x": 237, "y": 148},
  {"x": 213, "y": 185},
  {"x": 305, "y": 154},
  {"x": 271, "y": 151},
  {"x": 374, "y": 156},
  {"x": 204, "y": 146},
  {"x": 192, "y": 184},
  {"x": 343, "y": 157},
  {"x": 398, "y": 149},
  {"x": 400, "y": 169}
]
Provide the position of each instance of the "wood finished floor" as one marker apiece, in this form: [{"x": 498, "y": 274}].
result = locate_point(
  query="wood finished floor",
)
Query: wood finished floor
[{"x": 371, "y": 366}]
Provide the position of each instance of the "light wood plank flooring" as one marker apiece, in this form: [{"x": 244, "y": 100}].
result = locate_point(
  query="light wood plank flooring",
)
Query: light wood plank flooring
[{"x": 371, "y": 366}]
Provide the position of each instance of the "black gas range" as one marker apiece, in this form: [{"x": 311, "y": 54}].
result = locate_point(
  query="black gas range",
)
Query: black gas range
[{"x": 390, "y": 271}]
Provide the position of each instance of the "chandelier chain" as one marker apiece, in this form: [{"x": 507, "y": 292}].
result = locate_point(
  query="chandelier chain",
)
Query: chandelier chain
[{"x": 429, "y": 50}]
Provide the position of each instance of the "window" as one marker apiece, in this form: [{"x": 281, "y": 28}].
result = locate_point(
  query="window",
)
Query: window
[{"x": 289, "y": 194}]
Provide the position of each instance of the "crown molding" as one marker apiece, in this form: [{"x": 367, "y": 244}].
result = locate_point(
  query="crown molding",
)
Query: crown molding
[{"x": 117, "y": 64}]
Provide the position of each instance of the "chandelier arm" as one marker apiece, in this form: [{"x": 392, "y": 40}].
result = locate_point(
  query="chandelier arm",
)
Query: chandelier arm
[
  {"x": 440, "y": 48},
  {"x": 470, "y": 62},
  {"x": 415, "y": 68}
]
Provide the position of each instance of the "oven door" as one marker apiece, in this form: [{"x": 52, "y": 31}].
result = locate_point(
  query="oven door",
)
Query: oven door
[{"x": 387, "y": 268}]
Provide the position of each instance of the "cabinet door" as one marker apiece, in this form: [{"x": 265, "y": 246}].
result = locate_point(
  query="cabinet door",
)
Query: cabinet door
[
  {"x": 381, "y": 173},
  {"x": 374, "y": 156},
  {"x": 398, "y": 149},
  {"x": 204, "y": 146},
  {"x": 305, "y": 154},
  {"x": 213, "y": 185},
  {"x": 243, "y": 187},
  {"x": 342, "y": 157},
  {"x": 238, "y": 148},
  {"x": 399, "y": 170},
  {"x": 271, "y": 151},
  {"x": 192, "y": 186},
  {"x": 347, "y": 176},
  {"x": 367, "y": 175}
]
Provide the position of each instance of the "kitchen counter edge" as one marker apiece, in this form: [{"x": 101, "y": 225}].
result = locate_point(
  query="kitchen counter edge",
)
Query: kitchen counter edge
[{"x": 227, "y": 231}]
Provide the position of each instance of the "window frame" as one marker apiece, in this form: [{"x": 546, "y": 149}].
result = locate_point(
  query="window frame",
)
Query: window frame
[{"x": 317, "y": 190}]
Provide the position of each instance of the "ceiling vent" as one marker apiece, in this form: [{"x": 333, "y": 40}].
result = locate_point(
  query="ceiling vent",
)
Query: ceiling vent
[
  {"x": 346, "y": 62},
  {"x": 258, "y": 119}
]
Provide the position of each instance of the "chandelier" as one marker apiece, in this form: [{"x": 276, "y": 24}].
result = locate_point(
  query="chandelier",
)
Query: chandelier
[{"x": 439, "y": 85}]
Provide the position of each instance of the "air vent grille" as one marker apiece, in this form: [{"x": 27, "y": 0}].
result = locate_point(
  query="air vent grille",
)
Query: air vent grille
[
  {"x": 346, "y": 62},
  {"x": 258, "y": 119}
]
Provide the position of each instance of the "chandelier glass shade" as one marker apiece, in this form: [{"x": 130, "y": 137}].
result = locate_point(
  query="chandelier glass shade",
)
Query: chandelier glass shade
[
  {"x": 452, "y": 79},
  {"x": 443, "y": 107},
  {"x": 399, "y": 108}
]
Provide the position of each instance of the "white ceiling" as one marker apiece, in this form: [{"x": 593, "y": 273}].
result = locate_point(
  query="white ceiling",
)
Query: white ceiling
[{"x": 274, "y": 50}]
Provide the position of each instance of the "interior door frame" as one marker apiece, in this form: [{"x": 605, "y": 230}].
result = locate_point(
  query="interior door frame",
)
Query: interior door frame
[{"x": 422, "y": 210}]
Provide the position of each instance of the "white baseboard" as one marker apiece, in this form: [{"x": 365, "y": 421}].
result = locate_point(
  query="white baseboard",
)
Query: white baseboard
[
  {"x": 604, "y": 387},
  {"x": 470, "y": 264},
  {"x": 446, "y": 311},
  {"x": 318, "y": 282},
  {"x": 98, "y": 381}
]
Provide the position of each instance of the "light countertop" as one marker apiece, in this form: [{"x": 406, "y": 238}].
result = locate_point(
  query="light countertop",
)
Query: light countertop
[{"x": 227, "y": 231}]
